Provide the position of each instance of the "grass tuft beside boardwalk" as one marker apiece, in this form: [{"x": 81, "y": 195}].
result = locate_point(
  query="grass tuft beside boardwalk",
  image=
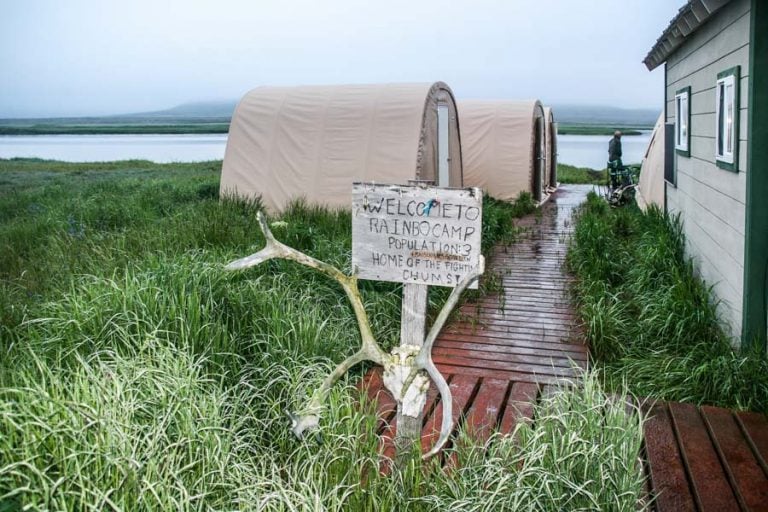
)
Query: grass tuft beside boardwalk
[
  {"x": 136, "y": 374},
  {"x": 652, "y": 324}
]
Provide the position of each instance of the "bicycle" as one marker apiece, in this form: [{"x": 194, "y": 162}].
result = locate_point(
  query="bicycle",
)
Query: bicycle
[{"x": 621, "y": 183}]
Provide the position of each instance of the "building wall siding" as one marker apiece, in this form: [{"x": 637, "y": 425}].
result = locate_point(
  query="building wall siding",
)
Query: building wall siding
[{"x": 711, "y": 200}]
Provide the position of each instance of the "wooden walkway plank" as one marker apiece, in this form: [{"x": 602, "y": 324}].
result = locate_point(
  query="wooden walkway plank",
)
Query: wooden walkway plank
[
  {"x": 520, "y": 326},
  {"x": 747, "y": 477},
  {"x": 513, "y": 348},
  {"x": 502, "y": 357},
  {"x": 519, "y": 407},
  {"x": 520, "y": 331},
  {"x": 709, "y": 482},
  {"x": 755, "y": 428},
  {"x": 499, "y": 374},
  {"x": 667, "y": 470},
  {"x": 517, "y": 338},
  {"x": 502, "y": 366},
  {"x": 462, "y": 390},
  {"x": 484, "y": 414},
  {"x": 376, "y": 392}
]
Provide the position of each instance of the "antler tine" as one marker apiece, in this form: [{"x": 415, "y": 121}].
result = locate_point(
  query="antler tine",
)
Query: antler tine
[
  {"x": 309, "y": 419},
  {"x": 276, "y": 249},
  {"x": 271, "y": 250},
  {"x": 424, "y": 357},
  {"x": 446, "y": 399},
  {"x": 453, "y": 299}
]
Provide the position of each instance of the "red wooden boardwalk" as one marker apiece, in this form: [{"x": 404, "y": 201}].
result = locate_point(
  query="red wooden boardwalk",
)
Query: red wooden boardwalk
[
  {"x": 504, "y": 349},
  {"x": 706, "y": 458}
]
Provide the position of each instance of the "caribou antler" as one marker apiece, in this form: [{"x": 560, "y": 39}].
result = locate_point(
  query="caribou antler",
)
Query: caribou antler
[
  {"x": 424, "y": 357},
  {"x": 369, "y": 349}
]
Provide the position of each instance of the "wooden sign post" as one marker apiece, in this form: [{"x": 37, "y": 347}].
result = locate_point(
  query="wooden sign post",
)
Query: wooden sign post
[{"x": 420, "y": 236}]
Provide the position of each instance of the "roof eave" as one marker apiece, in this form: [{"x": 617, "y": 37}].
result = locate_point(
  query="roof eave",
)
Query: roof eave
[{"x": 688, "y": 19}]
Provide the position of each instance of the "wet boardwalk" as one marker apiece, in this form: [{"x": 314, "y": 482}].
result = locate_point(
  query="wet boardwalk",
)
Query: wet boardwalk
[
  {"x": 706, "y": 458},
  {"x": 505, "y": 350}
]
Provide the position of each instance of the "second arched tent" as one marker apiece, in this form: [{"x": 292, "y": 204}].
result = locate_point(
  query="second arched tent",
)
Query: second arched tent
[{"x": 505, "y": 150}]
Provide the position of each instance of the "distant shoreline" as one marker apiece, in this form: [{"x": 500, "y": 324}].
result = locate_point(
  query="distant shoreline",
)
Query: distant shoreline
[
  {"x": 223, "y": 128},
  {"x": 588, "y": 129}
]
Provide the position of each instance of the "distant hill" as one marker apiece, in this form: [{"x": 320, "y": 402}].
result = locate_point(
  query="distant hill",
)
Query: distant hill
[
  {"x": 599, "y": 115},
  {"x": 195, "y": 109},
  {"x": 571, "y": 114},
  {"x": 186, "y": 113}
]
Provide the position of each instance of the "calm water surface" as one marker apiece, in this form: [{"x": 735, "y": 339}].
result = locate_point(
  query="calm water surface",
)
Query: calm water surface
[
  {"x": 579, "y": 150},
  {"x": 592, "y": 150},
  {"x": 101, "y": 148}
]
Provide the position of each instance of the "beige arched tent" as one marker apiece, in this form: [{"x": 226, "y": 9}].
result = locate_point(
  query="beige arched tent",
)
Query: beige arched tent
[
  {"x": 315, "y": 141},
  {"x": 550, "y": 151},
  {"x": 502, "y": 143},
  {"x": 651, "y": 186}
]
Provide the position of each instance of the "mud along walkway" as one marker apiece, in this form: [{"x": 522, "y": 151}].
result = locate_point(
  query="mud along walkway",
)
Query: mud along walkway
[{"x": 504, "y": 350}]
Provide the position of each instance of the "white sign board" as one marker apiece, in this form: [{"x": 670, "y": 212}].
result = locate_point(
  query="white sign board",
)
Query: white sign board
[{"x": 415, "y": 234}]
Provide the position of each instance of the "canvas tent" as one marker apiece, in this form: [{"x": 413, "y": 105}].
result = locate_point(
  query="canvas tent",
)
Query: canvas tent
[
  {"x": 550, "y": 150},
  {"x": 502, "y": 144},
  {"x": 651, "y": 186},
  {"x": 315, "y": 141}
]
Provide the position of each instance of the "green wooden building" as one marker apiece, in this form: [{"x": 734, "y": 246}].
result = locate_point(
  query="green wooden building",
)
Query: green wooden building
[{"x": 715, "y": 58}]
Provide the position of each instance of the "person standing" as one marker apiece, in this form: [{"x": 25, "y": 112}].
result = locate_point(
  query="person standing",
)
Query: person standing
[
  {"x": 614, "y": 158},
  {"x": 614, "y": 148}
]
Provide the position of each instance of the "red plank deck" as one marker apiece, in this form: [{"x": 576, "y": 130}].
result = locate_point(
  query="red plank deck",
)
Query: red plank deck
[{"x": 706, "y": 458}]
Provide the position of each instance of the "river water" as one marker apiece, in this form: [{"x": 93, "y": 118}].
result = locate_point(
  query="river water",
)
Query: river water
[
  {"x": 578, "y": 150},
  {"x": 592, "y": 150},
  {"x": 102, "y": 148}
]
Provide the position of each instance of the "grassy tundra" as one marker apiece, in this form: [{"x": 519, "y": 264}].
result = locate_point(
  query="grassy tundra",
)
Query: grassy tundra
[
  {"x": 135, "y": 374},
  {"x": 652, "y": 324}
]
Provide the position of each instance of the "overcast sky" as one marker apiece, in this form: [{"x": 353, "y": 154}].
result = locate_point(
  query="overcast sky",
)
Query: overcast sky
[{"x": 76, "y": 57}]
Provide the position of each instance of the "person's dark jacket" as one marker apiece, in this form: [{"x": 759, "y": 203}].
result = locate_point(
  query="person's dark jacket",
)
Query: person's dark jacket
[{"x": 614, "y": 149}]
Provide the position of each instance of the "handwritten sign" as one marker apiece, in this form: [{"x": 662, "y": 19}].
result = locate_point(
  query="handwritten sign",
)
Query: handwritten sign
[{"x": 415, "y": 234}]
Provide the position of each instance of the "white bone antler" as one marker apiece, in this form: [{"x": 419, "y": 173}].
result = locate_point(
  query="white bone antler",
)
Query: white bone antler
[
  {"x": 369, "y": 349},
  {"x": 424, "y": 357}
]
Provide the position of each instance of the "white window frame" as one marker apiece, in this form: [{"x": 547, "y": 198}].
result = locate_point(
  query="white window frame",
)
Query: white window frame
[
  {"x": 727, "y": 93},
  {"x": 683, "y": 121}
]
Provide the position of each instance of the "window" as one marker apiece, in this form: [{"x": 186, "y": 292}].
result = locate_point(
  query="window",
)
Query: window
[
  {"x": 683, "y": 121},
  {"x": 727, "y": 119}
]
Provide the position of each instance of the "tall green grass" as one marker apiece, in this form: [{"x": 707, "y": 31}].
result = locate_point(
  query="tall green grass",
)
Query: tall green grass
[
  {"x": 135, "y": 374},
  {"x": 652, "y": 323}
]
